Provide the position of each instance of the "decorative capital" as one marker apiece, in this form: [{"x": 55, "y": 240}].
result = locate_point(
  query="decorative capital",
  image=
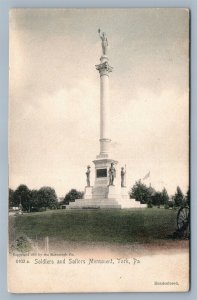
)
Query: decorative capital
[{"x": 104, "y": 68}]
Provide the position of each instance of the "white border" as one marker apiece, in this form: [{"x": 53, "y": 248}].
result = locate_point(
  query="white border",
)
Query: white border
[{"x": 5, "y": 5}]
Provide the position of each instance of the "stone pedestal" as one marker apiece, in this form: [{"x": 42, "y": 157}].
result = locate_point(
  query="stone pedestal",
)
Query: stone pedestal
[
  {"x": 100, "y": 189},
  {"x": 88, "y": 192},
  {"x": 113, "y": 192},
  {"x": 124, "y": 193}
]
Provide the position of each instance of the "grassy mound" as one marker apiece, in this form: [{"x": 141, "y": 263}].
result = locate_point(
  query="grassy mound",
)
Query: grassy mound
[{"x": 114, "y": 226}]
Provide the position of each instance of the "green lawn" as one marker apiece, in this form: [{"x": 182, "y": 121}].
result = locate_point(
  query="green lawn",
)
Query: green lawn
[{"x": 113, "y": 226}]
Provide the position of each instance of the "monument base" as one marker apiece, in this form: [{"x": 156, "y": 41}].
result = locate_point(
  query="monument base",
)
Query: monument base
[
  {"x": 113, "y": 193},
  {"x": 124, "y": 193},
  {"x": 102, "y": 194},
  {"x": 114, "y": 198},
  {"x": 105, "y": 204},
  {"x": 88, "y": 192},
  {"x": 94, "y": 203}
]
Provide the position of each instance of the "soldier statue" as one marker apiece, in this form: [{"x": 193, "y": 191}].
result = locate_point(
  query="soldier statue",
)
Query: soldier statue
[
  {"x": 88, "y": 176},
  {"x": 123, "y": 174},
  {"x": 112, "y": 174}
]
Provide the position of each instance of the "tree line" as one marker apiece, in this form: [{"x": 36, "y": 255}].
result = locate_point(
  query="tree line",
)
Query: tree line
[
  {"x": 46, "y": 198},
  {"x": 148, "y": 195},
  {"x": 39, "y": 200}
]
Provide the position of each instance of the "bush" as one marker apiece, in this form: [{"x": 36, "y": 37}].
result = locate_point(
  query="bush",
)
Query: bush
[
  {"x": 22, "y": 244},
  {"x": 72, "y": 196},
  {"x": 41, "y": 209},
  {"x": 166, "y": 206},
  {"x": 149, "y": 204},
  {"x": 141, "y": 192},
  {"x": 171, "y": 204},
  {"x": 34, "y": 209}
]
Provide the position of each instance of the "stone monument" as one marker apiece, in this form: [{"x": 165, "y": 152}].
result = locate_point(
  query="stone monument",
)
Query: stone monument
[{"x": 109, "y": 190}]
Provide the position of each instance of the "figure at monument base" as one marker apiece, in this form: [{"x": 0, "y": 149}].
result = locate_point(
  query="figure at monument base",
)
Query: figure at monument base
[{"x": 103, "y": 194}]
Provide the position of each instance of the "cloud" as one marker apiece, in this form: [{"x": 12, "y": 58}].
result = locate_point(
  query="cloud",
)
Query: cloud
[{"x": 54, "y": 94}]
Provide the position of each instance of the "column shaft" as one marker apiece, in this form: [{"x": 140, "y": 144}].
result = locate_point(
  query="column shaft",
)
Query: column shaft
[
  {"x": 104, "y": 107},
  {"x": 104, "y": 70}
]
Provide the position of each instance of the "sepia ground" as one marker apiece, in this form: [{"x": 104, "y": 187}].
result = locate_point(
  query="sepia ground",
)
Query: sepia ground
[
  {"x": 145, "y": 227},
  {"x": 103, "y": 250}
]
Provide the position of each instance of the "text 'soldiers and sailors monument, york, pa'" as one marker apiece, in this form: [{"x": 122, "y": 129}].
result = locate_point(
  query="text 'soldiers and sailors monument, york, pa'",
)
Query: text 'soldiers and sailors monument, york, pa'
[{"x": 109, "y": 190}]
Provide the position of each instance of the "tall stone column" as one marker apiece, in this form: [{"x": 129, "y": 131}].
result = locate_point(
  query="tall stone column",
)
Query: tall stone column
[
  {"x": 104, "y": 69},
  {"x": 104, "y": 160}
]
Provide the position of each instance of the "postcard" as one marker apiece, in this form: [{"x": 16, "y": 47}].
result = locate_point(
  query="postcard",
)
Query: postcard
[{"x": 99, "y": 197}]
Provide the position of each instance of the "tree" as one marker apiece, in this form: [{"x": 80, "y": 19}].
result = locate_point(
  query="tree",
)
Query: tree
[
  {"x": 35, "y": 205},
  {"x": 164, "y": 195},
  {"x": 178, "y": 197},
  {"x": 72, "y": 195},
  {"x": 157, "y": 199},
  {"x": 22, "y": 195},
  {"x": 160, "y": 198},
  {"x": 141, "y": 192},
  {"x": 149, "y": 203},
  {"x": 11, "y": 198},
  {"x": 46, "y": 198}
]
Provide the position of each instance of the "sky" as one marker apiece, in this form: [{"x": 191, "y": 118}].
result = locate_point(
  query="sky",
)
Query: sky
[{"x": 54, "y": 95}]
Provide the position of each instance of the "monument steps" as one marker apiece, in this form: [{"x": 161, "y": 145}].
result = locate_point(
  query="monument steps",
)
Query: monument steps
[
  {"x": 105, "y": 203},
  {"x": 94, "y": 203}
]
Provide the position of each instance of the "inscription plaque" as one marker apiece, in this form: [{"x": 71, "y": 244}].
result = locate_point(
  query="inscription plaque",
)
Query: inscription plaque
[{"x": 101, "y": 173}]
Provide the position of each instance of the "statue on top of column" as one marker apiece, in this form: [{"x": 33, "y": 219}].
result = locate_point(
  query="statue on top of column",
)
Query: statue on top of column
[{"x": 104, "y": 41}]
